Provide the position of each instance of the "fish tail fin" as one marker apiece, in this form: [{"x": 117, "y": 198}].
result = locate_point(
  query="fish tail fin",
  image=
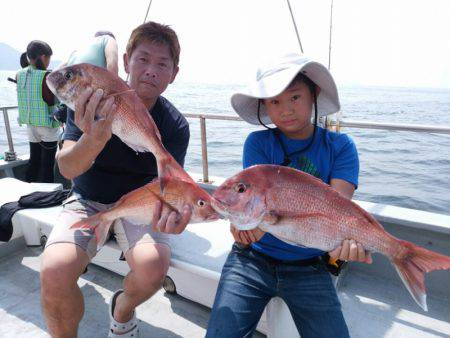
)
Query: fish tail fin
[
  {"x": 169, "y": 168},
  {"x": 412, "y": 264},
  {"x": 96, "y": 223}
]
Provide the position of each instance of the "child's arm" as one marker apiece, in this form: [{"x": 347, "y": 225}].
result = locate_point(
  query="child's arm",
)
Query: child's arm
[{"x": 345, "y": 188}]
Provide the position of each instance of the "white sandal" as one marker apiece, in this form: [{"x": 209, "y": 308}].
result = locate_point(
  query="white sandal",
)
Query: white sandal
[{"x": 121, "y": 330}]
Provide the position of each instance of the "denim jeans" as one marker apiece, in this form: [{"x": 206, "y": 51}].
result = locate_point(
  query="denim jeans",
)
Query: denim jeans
[{"x": 249, "y": 280}]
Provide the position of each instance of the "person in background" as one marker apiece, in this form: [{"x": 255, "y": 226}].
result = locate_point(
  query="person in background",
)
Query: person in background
[
  {"x": 36, "y": 104},
  {"x": 102, "y": 51},
  {"x": 288, "y": 92}
]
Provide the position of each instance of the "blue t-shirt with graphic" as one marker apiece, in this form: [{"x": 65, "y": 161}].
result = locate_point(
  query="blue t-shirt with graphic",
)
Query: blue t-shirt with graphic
[{"x": 331, "y": 155}]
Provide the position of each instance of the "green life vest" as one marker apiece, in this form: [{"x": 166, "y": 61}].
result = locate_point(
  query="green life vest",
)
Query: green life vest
[{"x": 33, "y": 110}]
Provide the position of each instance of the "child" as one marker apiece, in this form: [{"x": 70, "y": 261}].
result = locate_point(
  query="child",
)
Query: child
[
  {"x": 259, "y": 265},
  {"x": 36, "y": 105}
]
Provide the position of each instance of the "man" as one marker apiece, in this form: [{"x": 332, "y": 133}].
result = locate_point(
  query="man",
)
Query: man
[{"x": 103, "y": 169}]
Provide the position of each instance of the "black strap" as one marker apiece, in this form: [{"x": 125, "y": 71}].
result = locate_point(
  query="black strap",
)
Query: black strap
[
  {"x": 287, "y": 157},
  {"x": 36, "y": 199},
  {"x": 333, "y": 266}
]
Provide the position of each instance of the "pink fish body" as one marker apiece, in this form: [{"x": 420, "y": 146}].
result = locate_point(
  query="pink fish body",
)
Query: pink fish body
[
  {"x": 137, "y": 206},
  {"x": 300, "y": 209},
  {"x": 132, "y": 124}
]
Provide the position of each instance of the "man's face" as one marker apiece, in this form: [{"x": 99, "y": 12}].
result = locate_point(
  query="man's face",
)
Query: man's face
[{"x": 151, "y": 69}]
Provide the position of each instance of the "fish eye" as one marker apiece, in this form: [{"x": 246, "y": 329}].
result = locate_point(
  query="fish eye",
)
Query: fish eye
[
  {"x": 201, "y": 203},
  {"x": 68, "y": 75},
  {"x": 240, "y": 188}
]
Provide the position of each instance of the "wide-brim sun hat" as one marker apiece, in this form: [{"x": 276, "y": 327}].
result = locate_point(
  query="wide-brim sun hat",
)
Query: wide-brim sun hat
[{"x": 273, "y": 78}]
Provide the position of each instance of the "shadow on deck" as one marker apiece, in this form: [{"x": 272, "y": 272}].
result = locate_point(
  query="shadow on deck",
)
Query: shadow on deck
[{"x": 168, "y": 316}]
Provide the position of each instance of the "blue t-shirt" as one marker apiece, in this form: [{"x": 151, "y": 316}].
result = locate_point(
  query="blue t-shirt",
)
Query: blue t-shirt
[
  {"x": 331, "y": 155},
  {"x": 118, "y": 169}
]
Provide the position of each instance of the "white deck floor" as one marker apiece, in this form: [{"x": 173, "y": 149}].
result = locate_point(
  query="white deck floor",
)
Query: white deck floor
[
  {"x": 167, "y": 316},
  {"x": 366, "y": 299}
]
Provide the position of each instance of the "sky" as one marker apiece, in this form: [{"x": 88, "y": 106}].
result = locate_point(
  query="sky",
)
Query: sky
[{"x": 384, "y": 43}]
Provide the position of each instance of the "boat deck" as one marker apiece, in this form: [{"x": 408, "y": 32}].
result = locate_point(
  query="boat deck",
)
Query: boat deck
[
  {"x": 164, "y": 315},
  {"x": 374, "y": 306}
]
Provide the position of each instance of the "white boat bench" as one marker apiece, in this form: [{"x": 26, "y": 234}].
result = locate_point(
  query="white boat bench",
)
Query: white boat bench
[{"x": 198, "y": 255}]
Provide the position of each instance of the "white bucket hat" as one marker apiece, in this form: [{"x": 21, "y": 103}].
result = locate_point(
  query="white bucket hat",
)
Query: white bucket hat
[{"x": 273, "y": 79}]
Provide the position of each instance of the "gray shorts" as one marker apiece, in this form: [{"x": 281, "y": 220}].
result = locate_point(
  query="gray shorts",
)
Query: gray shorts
[{"x": 126, "y": 233}]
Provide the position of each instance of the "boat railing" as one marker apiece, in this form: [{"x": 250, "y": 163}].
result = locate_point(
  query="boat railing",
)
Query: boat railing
[{"x": 335, "y": 124}]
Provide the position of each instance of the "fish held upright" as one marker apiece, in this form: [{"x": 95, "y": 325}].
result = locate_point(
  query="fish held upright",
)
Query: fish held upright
[{"x": 132, "y": 122}]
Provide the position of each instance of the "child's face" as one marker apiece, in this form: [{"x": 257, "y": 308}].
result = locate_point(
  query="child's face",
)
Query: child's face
[{"x": 291, "y": 110}]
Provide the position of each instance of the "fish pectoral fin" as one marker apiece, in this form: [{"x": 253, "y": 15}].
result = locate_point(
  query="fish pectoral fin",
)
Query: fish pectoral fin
[
  {"x": 295, "y": 217},
  {"x": 271, "y": 218},
  {"x": 308, "y": 215}
]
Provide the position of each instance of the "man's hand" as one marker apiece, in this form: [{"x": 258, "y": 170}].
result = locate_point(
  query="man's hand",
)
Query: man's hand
[
  {"x": 87, "y": 106},
  {"x": 172, "y": 223},
  {"x": 246, "y": 237},
  {"x": 350, "y": 250}
]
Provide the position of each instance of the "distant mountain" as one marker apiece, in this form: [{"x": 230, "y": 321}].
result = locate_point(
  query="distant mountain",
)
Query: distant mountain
[{"x": 9, "y": 58}]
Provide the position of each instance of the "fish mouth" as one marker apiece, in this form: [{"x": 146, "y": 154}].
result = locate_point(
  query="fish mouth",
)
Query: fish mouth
[
  {"x": 55, "y": 83},
  {"x": 214, "y": 217},
  {"x": 223, "y": 210},
  {"x": 50, "y": 82},
  {"x": 220, "y": 208}
]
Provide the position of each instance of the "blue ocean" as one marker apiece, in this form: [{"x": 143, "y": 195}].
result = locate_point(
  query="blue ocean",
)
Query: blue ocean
[{"x": 399, "y": 168}]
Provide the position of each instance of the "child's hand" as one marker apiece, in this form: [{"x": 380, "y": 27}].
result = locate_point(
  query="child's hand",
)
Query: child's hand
[
  {"x": 350, "y": 250},
  {"x": 246, "y": 237}
]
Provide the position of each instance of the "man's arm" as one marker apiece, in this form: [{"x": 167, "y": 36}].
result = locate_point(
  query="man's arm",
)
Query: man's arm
[
  {"x": 75, "y": 158},
  {"x": 111, "y": 56}
]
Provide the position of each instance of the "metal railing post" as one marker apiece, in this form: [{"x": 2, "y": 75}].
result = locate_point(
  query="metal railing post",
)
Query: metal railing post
[
  {"x": 204, "y": 149},
  {"x": 11, "y": 154},
  {"x": 330, "y": 123}
]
